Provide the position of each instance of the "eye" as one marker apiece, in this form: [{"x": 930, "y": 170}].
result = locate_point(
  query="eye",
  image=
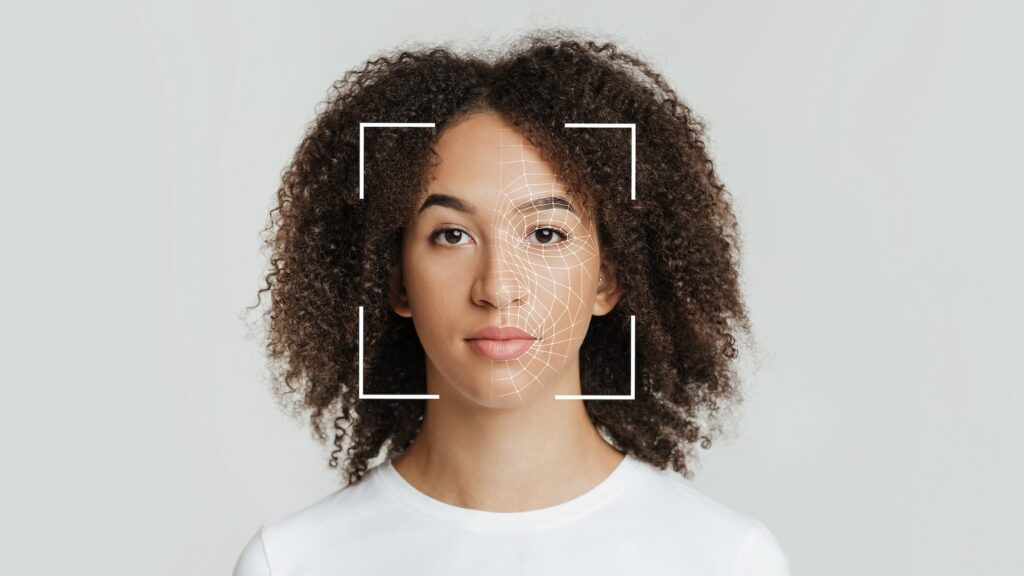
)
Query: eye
[
  {"x": 452, "y": 234},
  {"x": 546, "y": 235}
]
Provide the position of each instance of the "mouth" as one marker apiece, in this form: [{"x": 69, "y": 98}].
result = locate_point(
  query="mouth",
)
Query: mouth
[
  {"x": 497, "y": 343},
  {"x": 508, "y": 349},
  {"x": 499, "y": 333}
]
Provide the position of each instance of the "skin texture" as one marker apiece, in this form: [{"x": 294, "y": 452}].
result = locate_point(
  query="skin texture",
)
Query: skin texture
[
  {"x": 497, "y": 439},
  {"x": 671, "y": 256}
]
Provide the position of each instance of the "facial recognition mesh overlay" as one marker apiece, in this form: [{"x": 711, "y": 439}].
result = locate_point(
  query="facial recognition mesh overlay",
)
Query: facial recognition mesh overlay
[
  {"x": 542, "y": 264},
  {"x": 545, "y": 270}
]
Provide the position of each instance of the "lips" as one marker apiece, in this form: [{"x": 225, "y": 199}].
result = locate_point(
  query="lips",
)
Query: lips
[
  {"x": 496, "y": 333},
  {"x": 496, "y": 343}
]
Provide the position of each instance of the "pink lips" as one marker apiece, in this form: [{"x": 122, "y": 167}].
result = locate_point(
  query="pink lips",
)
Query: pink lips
[{"x": 497, "y": 343}]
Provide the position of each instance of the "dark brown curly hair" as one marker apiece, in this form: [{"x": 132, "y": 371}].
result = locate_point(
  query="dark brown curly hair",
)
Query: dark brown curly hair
[{"x": 674, "y": 249}]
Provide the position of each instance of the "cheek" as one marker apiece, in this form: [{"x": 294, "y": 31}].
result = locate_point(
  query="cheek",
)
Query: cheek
[
  {"x": 424, "y": 276},
  {"x": 432, "y": 290},
  {"x": 564, "y": 284}
]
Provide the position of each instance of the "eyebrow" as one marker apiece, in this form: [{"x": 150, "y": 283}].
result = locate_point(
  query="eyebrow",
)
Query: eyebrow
[{"x": 546, "y": 203}]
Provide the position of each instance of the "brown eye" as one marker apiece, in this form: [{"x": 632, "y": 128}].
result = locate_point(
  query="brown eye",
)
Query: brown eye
[
  {"x": 452, "y": 236},
  {"x": 546, "y": 235}
]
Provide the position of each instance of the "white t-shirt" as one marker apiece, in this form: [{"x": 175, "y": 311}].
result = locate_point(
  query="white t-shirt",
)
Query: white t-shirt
[{"x": 638, "y": 520}]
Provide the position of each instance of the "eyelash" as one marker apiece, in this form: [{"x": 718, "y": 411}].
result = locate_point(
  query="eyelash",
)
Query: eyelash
[{"x": 565, "y": 235}]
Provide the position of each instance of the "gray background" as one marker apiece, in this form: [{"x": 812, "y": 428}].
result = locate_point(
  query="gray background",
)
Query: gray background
[{"x": 873, "y": 150}]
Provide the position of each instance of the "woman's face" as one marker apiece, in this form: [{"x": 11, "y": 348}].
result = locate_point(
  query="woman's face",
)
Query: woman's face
[{"x": 497, "y": 241}]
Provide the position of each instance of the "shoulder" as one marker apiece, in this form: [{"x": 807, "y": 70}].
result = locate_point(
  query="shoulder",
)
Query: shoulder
[
  {"x": 760, "y": 554},
  {"x": 253, "y": 559},
  {"x": 283, "y": 541},
  {"x": 734, "y": 542}
]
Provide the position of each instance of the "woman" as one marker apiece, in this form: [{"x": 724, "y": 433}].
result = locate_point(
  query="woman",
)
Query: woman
[{"x": 500, "y": 262}]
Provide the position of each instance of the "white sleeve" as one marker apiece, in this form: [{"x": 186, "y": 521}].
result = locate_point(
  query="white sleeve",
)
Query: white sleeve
[
  {"x": 761, "y": 555},
  {"x": 253, "y": 560}
]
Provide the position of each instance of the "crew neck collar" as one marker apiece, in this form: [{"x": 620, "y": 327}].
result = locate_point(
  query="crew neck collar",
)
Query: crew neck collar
[{"x": 486, "y": 521}]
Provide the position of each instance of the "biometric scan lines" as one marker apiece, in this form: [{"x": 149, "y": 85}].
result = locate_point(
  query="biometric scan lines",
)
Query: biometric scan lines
[
  {"x": 362, "y": 127},
  {"x": 540, "y": 250},
  {"x": 632, "y": 317}
]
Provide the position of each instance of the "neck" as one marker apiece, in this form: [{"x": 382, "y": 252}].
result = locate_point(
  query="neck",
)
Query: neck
[{"x": 506, "y": 460}]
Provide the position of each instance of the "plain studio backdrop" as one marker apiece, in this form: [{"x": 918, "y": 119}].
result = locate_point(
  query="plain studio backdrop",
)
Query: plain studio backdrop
[{"x": 873, "y": 150}]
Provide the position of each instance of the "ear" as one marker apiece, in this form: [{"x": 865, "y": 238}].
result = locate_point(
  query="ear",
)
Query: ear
[
  {"x": 397, "y": 296},
  {"x": 608, "y": 292}
]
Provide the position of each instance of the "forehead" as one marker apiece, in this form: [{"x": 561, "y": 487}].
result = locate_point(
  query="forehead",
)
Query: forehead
[{"x": 485, "y": 155}]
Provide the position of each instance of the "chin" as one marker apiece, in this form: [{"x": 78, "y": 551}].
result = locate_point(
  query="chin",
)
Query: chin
[
  {"x": 499, "y": 384},
  {"x": 500, "y": 393}
]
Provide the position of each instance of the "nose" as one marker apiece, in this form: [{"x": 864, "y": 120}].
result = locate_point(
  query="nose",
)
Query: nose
[{"x": 502, "y": 280}]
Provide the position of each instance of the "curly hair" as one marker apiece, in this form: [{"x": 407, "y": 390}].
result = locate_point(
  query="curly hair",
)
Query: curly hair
[{"x": 674, "y": 249}]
